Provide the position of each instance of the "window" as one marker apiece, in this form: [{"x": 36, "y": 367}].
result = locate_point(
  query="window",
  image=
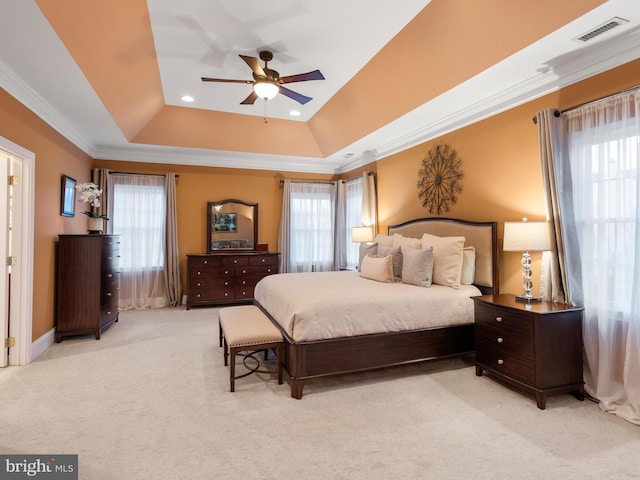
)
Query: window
[
  {"x": 139, "y": 211},
  {"x": 311, "y": 227},
  {"x": 353, "y": 219}
]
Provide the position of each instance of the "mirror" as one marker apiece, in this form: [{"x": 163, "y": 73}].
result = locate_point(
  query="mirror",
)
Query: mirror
[{"x": 231, "y": 225}]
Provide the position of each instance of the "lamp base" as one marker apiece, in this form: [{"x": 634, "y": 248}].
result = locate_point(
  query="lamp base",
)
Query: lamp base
[{"x": 527, "y": 298}]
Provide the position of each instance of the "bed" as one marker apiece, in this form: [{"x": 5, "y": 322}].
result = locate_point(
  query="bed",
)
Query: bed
[{"x": 338, "y": 322}]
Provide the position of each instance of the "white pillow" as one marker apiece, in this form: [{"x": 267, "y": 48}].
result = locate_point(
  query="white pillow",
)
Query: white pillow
[
  {"x": 377, "y": 268},
  {"x": 468, "y": 266},
  {"x": 400, "y": 241},
  {"x": 396, "y": 258},
  {"x": 366, "y": 249},
  {"x": 447, "y": 258},
  {"x": 385, "y": 240},
  {"x": 417, "y": 266}
]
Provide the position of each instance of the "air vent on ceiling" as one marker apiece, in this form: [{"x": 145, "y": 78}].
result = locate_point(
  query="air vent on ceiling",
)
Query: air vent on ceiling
[{"x": 599, "y": 30}]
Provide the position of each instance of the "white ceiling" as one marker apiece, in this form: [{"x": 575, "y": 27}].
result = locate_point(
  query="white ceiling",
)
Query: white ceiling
[{"x": 197, "y": 38}]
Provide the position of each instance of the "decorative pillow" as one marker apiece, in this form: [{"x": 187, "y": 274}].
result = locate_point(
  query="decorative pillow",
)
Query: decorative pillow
[
  {"x": 417, "y": 266},
  {"x": 385, "y": 240},
  {"x": 377, "y": 268},
  {"x": 396, "y": 258},
  {"x": 367, "y": 249},
  {"x": 400, "y": 241},
  {"x": 468, "y": 266},
  {"x": 447, "y": 258}
]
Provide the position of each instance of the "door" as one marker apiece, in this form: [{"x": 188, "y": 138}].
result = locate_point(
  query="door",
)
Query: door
[{"x": 6, "y": 167}]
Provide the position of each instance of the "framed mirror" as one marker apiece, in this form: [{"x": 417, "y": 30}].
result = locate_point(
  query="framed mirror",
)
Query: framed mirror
[{"x": 231, "y": 225}]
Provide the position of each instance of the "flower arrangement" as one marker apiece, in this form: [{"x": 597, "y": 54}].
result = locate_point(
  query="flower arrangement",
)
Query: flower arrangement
[{"x": 89, "y": 192}]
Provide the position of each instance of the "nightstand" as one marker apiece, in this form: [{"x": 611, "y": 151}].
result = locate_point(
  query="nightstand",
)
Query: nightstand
[{"x": 535, "y": 346}]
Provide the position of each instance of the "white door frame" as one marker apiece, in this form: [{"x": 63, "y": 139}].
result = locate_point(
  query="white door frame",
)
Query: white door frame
[{"x": 21, "y": 324}]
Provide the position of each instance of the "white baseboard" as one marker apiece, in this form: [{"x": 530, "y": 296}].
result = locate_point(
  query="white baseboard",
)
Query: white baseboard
[{"x": 42, "y": 344}]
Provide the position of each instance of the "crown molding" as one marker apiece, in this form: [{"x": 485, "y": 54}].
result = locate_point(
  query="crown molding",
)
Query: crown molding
[{"x": 18, "y": 88}]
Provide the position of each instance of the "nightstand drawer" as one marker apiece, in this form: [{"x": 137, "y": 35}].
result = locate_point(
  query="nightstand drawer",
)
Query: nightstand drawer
[
  {"x": 505, "y": 342},
  {"x": 504, "y": 320},
  {"x": 506, "y": 364}
]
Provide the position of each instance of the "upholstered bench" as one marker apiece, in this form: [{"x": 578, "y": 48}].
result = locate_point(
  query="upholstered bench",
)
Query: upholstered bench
[{"x": 245, "y": 328}]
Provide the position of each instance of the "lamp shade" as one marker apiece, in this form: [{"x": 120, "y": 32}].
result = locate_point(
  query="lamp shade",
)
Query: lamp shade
[
  {"x": 526, "y": 237},
  {"x": 266, "y": 90},
  {"x": 362, "y": 234}
]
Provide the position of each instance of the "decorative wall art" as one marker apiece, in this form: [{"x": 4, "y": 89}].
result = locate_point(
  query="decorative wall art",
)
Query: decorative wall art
[
  {"x": 68, "y": 196},
  {"x": 439, "y": 179}
]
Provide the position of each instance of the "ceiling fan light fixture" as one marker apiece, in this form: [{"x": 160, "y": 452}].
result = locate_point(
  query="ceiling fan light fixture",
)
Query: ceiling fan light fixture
[{"x": 266, "y": 90}]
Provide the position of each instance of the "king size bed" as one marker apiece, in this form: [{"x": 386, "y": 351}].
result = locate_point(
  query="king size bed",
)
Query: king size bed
[{"x": 341, "y": 322}]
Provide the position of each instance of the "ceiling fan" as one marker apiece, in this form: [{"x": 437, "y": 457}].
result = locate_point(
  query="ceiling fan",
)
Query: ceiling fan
[{"x": 267, "y": 83}]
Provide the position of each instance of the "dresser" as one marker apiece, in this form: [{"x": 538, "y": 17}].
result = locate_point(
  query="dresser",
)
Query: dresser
[
  {"x": 535, "y": 346},
  {"x": 227, "y": 278},
  {"x": 87, "y": 284}
]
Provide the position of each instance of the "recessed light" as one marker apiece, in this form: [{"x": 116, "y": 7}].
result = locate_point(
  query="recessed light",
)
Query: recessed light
[
  {"x": 187, "y": 98},
  {"x": 294, "y": 113}
]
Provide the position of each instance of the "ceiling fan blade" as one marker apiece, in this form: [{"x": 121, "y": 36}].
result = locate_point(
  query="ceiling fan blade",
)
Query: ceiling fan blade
[
  {"x": 254, "y": 64},
  {"x": 250, "y": 99},
  {"x": 302, "y": 99},
  {"x": 207, "y": 79},
  {"x": 302, "y": 77}
]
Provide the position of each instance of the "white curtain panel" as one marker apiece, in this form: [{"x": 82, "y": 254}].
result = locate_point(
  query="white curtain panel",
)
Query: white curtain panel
[
  {"x": 597, "y": 180},
  {"x": 139, "y": 217}
]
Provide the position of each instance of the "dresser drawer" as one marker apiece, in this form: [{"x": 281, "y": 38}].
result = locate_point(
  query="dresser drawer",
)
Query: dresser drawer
[
  {"x": 265, "y": 260},
  {"x": 504, "y": 320},
  {"x": 233, "y": 261},
  {"x": 251, "y": 270},
  {"x": 488, "y": 337},
  {"x": 211, "y": 283},
  {"x": 211, "y": 273},
  {"x": 506, "y": 364},
  {"x": 211, "y": 294},
  {"x": 201, "y": 262}
]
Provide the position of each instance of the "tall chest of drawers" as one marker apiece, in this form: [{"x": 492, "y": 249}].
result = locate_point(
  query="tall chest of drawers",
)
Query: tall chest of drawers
[
  {"x": 87, "y": 284},
  {"x": 227, "y": 278},
  {"x": 535, "y": 346}
]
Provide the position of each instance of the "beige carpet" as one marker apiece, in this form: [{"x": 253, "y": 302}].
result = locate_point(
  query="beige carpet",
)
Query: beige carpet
[{"x": 151, "y": 401}]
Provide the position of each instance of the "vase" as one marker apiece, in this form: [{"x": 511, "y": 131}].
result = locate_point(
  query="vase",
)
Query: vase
[{"x": 95, "y": 225}]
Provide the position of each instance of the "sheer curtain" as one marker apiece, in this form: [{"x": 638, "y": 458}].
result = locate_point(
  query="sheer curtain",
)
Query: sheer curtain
[
  {"x": 139, "y": 217},
  {"x": 349, "y": 215},
  {"x": 596, "y": 172},
  {"x": 307, "y": 228}
]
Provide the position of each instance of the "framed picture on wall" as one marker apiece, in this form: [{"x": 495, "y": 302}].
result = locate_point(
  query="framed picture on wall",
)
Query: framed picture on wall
[{"x": 68, "y": 196}]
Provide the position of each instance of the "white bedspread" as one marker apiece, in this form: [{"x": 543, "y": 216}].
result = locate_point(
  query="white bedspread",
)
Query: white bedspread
[{"x": 323, "y": 305}]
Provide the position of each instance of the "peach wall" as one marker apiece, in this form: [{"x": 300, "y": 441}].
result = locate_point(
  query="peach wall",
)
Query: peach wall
[
  {"x": 198, "y": 185},
  {"x": 501, "y": 164},
  {"x": 499, "y": 155},
  {"x": 54, "y": 155}
]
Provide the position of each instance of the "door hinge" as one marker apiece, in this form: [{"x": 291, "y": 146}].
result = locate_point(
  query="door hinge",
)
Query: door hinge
[
  {"x": 9, "y": 342},
  {"x": 12, "y": 261},
  {"x": 12, "y": 180}
]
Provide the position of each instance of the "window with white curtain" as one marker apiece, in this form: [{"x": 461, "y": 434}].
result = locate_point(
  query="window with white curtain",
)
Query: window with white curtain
[
  {"x": 353, "y": 213},
  {"x": 139, "y": 217},
  {"x": 311, "y": 226}
]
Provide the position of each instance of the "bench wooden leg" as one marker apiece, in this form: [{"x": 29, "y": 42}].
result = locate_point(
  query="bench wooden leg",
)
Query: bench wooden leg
[{"x": 232, "y": 369}]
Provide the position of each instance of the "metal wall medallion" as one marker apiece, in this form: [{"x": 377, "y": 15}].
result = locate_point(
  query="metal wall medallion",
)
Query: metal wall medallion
[{"x": 439, "y": 179}]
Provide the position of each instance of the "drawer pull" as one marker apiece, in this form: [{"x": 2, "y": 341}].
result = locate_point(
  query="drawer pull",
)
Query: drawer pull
[
  {"x": 268, "y": 270},
  {"x": 244, "y": 271},
  {"x": 199, "y": 273},
  {"x": 226, "y": 284},
  {"x": 264, "y": 260},
  {"x": 108, "y": 294},
  {"x": 226, "y": 272},
  {"x": 109, "y": 275},
  {"x": 198, "y": 284},
  {"x": 244, "y": 282},
  {"x": 198, "y": 295},
  {"x": 498, "y": 319},
  {"x": 206, "y": 261},
  {"x": 244, "y": 293},
  {"x": 235, "y": 261},
  {"x": 226, "y": 294},
  {"x": 500, "y": 340},
  {"x": 108, "y": 313},
  {"x": 500, "y": 361}
]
